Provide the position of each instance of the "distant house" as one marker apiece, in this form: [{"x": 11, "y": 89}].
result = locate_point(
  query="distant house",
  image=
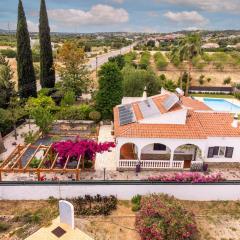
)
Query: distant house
[
  {"x": 210, "y": 46},
  {"x": 172, "y": 131}
]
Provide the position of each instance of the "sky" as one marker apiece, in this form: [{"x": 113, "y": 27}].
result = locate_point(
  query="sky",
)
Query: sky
[{"x": 83, "y": 16}]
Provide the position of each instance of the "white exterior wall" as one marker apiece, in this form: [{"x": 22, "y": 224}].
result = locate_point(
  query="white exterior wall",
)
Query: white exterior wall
[
  {"x": 224, "y": 142},
  {"x": 194, "y": 192},
  {"x": 176, "y": 117},
  {"x": 173, "y": 144}
]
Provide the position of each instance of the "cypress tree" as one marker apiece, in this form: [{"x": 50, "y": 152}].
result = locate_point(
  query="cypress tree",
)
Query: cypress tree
[
  {"x": 110, "y": 91},
  {"x": 26, "y": 75},
  {"x": 47, "y": 72}
]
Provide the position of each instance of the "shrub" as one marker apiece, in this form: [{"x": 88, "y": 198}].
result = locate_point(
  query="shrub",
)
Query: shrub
[
  {"x": 44, "y": 92},
  {"x": 227, "y": 81},
  {"x": 68, "y": 99},
  {"x": 4, "y": 226},
  {"x": 145, "y": 60},
  {"x": 201, "y": 79},
  {"x": 237, "y": 95},
  {"x": 30, "y": 137},
  {"x": 78, "y": 112},
  {"x": 35, "y": 163},
  {"x": 95, "y": 116},
  {"x": 9, "y": 53},
  {"x": 188, "y": 177},
  {"x": 136, "y": 201},
  {"x": 94, "y": 205},
  {"x": 160, "y": 61},
  {"x": 163, "y": 218}
]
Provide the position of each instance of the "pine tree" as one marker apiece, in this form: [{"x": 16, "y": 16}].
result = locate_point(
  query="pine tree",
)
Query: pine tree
[
  {"x": 110, "y": 89},
  {"x": 26, "y": 75},
  {"x": 47, "y": 72}
]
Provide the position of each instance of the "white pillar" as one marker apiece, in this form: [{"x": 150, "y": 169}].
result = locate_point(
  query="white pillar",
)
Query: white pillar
[
  {"x": 117, "y": 155},
  {"x": 171, "y": 158},
  {"x": 139, "y": 149}
]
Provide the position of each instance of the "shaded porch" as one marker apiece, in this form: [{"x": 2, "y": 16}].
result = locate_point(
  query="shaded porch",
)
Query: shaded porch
[{"x": 159, "y": 156}]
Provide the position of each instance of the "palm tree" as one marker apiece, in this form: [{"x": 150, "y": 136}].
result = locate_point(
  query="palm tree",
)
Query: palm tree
[
  {"x": 175, "y": 59},
  {"x": 189, "y": 48}
]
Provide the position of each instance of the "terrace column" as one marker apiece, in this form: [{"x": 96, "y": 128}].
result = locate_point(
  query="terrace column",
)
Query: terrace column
[
  {"x": 171, "y": 159},
  {"x": 139, "y": 152}
]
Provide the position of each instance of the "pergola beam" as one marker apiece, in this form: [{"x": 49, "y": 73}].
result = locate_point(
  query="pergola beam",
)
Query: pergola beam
[
  {"x": 11, "y": 156},
  {"x": 19, "y": 159},
  {"x": 31, "y": 158},
  {"x": 53, "y": 164},
  {"x": 45, "y": 155},
  {"x": 66, "y": 163}
]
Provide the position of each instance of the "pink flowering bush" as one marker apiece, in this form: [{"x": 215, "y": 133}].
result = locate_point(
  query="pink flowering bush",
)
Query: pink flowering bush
[
  {"x": 188, "y": 177},
  {"x": 163, "y": 218},
  {"x": 81, "y": 147}
]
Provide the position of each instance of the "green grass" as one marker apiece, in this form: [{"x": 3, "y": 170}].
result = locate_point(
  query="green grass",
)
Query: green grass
[{"x": 211, "y": 95}]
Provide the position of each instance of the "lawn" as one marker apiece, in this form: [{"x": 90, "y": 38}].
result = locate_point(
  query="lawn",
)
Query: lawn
[
  {"x": 19, "y": 219},
  {"x": 211, "y": 95}
]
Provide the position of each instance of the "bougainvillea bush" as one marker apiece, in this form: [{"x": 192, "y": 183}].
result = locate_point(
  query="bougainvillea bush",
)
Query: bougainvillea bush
[
  {"x": 188, "y": 177},
  {"x": 80, "y": 147},
  {"x": 163, "y": 218}
]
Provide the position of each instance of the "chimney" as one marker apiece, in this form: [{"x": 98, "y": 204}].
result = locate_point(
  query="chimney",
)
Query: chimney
[
  {"x": 235, "y": 121},
  {"x": 144, "y": 97}
]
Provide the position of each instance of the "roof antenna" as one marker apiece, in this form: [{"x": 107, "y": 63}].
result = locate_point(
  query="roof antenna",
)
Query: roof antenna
[{"x": 235, "y": 121}]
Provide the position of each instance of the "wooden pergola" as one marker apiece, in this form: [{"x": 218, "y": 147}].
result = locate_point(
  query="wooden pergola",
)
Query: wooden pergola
[{"x": 14, "y": 164}]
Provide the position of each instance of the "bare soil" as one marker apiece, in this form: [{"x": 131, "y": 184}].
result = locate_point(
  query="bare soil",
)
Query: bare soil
[{"x": 215, "y": 221}]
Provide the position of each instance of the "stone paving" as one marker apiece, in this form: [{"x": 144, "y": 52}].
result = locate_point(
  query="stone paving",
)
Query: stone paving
[
  {"x": 10, "y": 139},
  {"x": 107, "y": 159}
]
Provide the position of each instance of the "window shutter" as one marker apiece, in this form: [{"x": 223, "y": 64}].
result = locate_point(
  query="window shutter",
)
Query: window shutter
[
  {"x": 215, "y": 151},
  {"x": 210, "y": 152},
  {"x": 229, "y": 152}
]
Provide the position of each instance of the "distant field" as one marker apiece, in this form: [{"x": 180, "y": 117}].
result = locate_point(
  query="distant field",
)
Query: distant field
[{"x": 217, "y": 69}]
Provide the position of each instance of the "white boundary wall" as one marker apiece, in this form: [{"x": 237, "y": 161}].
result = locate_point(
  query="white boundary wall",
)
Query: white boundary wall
[{"x": 198, "y": 192}]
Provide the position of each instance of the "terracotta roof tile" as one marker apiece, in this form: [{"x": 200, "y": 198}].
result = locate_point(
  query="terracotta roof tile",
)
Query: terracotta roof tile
[
  {"x": 199, "y": 125},
  {"x": 194, "y": 104}
]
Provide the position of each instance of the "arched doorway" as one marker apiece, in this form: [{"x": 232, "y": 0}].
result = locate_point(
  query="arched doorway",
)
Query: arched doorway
[
  {"x": 128, "y": 151},
  {"x": 187, "y": 153},
  {"x": 156, "y": 151}
]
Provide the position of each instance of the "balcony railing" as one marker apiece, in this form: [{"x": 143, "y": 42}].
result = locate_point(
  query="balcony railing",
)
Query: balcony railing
[{"x": 150, "y": 164}]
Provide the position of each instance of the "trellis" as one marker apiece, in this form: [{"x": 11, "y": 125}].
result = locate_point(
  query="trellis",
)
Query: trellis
[{"x": 14, "y": 164}]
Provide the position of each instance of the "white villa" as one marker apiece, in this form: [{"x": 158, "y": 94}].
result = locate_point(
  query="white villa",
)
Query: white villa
[{"x": 172, "y": 131}]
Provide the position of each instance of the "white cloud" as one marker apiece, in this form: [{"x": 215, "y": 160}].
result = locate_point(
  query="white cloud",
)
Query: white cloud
[
  {"x": 186, "y": 17},
  {"x": 209, "y": 5},
  {"x": 97, "y": 15},
  {"x": 32, "y": 27}
]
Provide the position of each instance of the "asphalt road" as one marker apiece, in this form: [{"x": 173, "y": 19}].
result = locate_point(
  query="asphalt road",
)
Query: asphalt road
[{"x": 100, "y": 60}]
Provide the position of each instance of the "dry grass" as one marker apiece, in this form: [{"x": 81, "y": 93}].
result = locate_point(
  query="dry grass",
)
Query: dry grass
[
  {"x": 25, "y": 217},
  {"x": 120, "y": 225}
]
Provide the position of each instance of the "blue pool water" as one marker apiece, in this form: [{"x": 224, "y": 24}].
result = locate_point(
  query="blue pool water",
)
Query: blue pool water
[{"x": 221, "y": 105}]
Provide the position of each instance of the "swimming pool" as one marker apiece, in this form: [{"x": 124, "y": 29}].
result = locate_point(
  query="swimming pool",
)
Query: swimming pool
[{"x": 221, "y": 105}]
